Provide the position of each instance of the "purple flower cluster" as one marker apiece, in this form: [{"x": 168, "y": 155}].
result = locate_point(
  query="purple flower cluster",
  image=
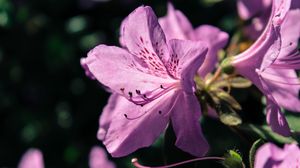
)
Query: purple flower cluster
[{"x": 151, "y": 76}]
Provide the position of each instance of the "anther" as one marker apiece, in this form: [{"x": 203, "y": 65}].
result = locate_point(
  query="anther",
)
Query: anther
[
  {"x": 161, "y": 86},
  {"x": 130, "y": 94},
  {"x": 138, "y": 92},
  {"x": 125, "y": 115},
  {"x": 122, "y": 89},
  {"x": 159, "y": 112}
]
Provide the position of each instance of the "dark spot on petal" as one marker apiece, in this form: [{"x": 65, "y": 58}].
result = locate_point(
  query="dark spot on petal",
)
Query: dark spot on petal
[
  {"x": 159, "y": 112},
  {"x": 138, "y": 92}
]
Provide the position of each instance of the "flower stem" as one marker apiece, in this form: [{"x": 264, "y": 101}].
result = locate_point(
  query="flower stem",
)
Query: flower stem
[{"x": 138, "y": 165}]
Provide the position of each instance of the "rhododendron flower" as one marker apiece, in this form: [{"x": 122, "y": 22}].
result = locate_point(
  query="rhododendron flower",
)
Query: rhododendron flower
[
  {"x": 33, "y": 158},
  {"x": 98, "y": 159},
  {"x": 271, "y": 156},
  {"x": 155, "y": 81},
  {"x": 270, "y": 62},
  {"x": 177, "y": 26}
]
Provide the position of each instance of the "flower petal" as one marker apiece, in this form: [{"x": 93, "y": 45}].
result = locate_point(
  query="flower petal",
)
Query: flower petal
[
  {"x": 215, "y": 39},
  {"x": 284, "y": 86},
  {"x": 175, "y": 24},
  {"x": 120, "y": 71},
  {"x": 98, "y": 159},
  {"x": 185, "y": 121},
  {"x": 277, "y": 120},
  {"x": 33, "y": 158},
  {"x": 143, "y": 36},
  {"x": 186, "y": 58},
  {"x": 129, "y": 121}
]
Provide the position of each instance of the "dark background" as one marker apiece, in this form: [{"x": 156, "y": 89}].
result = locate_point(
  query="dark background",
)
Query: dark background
[{"x": 47, "y": 102}]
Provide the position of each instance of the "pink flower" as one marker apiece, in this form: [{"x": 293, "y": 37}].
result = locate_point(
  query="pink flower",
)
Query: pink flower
[
  {"x": 270, "y": 62},
  {"x": 270, "y": 156},
  {"x": 98, "y": 159},
  {"x": 33, "y": 158},
  {"x": 155, "y": 82}
]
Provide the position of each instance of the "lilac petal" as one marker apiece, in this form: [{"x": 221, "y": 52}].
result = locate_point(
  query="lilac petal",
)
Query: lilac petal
[
  {"x": 269, "y": 155},
  {"x": 143, "y": 36},
  {"x": 33, "y": 158},
  {"x": 175, "y": 24},
  {"x": 277, "y": 120},
  {"x": 86, "y": 69},
  {"x": 263, "y": 156},
  {"x": 122, "y": 29},
  {"x": 186, "y": 58},
  {"x": 290, "y": 33},
  {"x": 185, "y": 121},
  {"x": 216, "y": 39},
  {"x": 98, "y": 159},
  {"x": 132, "y": 127},
  {"x": 284, "y": 86},
  {"x": 116, "y": 68}
]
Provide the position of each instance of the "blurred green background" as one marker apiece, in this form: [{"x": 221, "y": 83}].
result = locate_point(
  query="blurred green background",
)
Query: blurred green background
[{"x": 47, "y": 102}]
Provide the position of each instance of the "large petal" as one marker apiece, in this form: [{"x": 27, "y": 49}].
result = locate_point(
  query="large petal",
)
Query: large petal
[
  {"x": 284, "y": 85},
  {"x": 175, "y": 25},
  {"x": 121, "y": 72},
  {"x": 215, "y": 39},
  {"x": 33, "y": 158},
  {"x": 185, "y": 121},
  {"x": 277, "y": 120},
  {"x": 186, "y": 58},
  {"x": 290, "y": 33},
  {"x": 143, "y": 36},
  {"x": 131, "y": 127},
  {"x": 98, "y": 159}
]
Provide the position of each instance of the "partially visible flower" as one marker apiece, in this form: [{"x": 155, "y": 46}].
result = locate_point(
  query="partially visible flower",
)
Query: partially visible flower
[
  {"x": 258, "y": 12},
  {"x": 98, "y": 159},
  {"x": 271, "y": 156},
  {"x": 33, "y": 158},
  {"x": 152, "y": 83},
  {"x": 270, "y": 62}
]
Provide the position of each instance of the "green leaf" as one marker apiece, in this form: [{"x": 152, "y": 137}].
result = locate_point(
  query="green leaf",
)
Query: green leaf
[
  {"x": 253, "y": 150},
  {"x": 239, "y": 82},
  {"x": 233, "y": 160},
  {"x": 266, "y": 133}
]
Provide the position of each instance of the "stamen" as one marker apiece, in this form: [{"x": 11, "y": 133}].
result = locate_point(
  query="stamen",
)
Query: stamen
[
  {"x": 133, "y": 118},
  {"x": 136, "y": 164},
  {"x": 130, "y": 94},
  {"x": 138, "y": 92}
]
